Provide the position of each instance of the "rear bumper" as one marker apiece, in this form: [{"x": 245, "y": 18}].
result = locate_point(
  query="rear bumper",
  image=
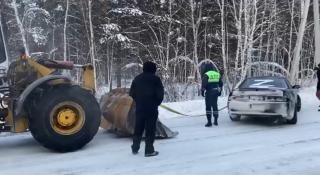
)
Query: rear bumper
[{"x": 254, "y": 108}]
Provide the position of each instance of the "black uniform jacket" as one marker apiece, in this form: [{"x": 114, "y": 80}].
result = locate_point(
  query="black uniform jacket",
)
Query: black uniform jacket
[{"x": 147, "y": 91}]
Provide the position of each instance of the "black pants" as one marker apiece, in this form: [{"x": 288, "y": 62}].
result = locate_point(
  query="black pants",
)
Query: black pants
[
  {"x": 145, "y": 121},
  {"x": 212, "y": 103}
]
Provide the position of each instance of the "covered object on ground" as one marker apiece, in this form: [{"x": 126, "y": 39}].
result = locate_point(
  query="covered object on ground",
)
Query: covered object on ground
[{"x": 118, "y": 110}]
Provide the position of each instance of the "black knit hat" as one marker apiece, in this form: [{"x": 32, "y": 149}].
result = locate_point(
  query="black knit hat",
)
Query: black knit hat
[
  {"x": 209, "y": 67},
  {"x": 149, "y": 67}
]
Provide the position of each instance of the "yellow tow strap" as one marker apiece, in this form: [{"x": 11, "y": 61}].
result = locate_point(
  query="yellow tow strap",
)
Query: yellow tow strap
[
  {"x": 172, "y": 110},
  {"x": 179, "y": 113}
]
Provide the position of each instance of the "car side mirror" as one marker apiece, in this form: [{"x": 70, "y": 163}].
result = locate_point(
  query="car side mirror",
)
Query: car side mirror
[{"x": 296, "y": 87}]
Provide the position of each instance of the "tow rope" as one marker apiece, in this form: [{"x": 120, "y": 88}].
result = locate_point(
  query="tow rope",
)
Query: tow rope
[{"x": 187, "y": 115}]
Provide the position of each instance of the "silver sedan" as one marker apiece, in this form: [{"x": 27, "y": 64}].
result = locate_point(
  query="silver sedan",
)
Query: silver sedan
[{"x": 265, "y": 97}]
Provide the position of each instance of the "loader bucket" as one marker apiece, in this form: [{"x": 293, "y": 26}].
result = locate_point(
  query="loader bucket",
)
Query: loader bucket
[{"x": 118, "y": 110}]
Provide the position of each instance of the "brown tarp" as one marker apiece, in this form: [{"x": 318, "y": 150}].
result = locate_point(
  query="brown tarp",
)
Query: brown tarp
[{"x": 118, "y": 111}]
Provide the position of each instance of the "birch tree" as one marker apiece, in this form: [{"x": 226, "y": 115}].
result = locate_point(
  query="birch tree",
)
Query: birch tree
[
  {"x": 92, "y": 45},
  {"x": 291, "y": 33},
  {"x": 223, "y": 42},
  {"x": 316, "y": 31},
  {"x": 65, "y": 32},
  {"x": 20, "y": 25},
  {"x": 297, "y": 50},
  {"x": 195, "y": 22}
]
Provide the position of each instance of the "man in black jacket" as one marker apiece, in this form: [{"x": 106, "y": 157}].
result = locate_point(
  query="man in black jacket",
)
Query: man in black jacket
[
  {"x": 147, "y": 92},
  {"x": 211, "y": 89}
]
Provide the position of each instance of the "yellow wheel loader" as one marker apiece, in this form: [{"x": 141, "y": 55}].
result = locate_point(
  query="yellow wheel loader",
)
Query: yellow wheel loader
[{"x": 60, "y": 114}]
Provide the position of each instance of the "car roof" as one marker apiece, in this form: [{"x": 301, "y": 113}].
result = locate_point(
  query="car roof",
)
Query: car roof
[{"x": 267, "y": 77}]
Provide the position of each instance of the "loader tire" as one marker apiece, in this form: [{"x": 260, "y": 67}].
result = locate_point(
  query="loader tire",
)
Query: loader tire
[{"x": 66, "y": 118}]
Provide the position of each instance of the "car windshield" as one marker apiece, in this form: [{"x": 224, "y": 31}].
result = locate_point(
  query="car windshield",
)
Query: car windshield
[{"x": 264, "y": 83}]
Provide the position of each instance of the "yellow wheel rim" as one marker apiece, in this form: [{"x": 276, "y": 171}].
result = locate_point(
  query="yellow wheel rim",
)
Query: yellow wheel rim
[{"x": 67, "y": 118}]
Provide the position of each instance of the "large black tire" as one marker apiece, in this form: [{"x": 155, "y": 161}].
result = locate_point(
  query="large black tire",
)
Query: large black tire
[
  {"x": 294, "y": 120},
  {"x": 235, "y": 118},
  {"x": 41, "y": 120}
]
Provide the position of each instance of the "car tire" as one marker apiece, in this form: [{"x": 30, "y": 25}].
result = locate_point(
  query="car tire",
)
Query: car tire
[
  {"x": 298, "y": 104},
  {"x": 294, "y": 120},
  {"x": 235, "y": 118}
]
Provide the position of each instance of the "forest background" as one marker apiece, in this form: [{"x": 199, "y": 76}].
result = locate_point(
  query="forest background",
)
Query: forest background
[{"x": 242, "y": 38}]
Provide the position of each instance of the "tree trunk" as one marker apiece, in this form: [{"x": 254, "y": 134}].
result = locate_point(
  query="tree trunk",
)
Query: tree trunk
[
  {"x": 195, "y": 29},
  {"x": 316, "y": 32},
  {"x": 239, "y": 36},
  {"x": 92, "y": 46},
  {"x": 291, "y": 31},
  {"x": 65, "y": 32},
  {"x": 118, "y": 72},
  {"x": 297, "y": 50},
  {"x": 20, "y": 25},
  {"x": 223, "y": 43}
]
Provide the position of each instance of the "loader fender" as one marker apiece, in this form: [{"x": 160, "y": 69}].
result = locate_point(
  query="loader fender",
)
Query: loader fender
[{"x": 22, "y": 98}]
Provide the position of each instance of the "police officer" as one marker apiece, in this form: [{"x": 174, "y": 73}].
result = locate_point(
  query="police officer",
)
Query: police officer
[
  {"x": 211, "y": 89},
  {"x": 147, "y": 91}
]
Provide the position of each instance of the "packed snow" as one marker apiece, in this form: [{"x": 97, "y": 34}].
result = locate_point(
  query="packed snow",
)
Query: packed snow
[{"x": 250, "y": 146}]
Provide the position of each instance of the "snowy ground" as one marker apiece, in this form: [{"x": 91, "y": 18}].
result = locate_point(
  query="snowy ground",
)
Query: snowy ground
[{"x": 233, "y": 148}]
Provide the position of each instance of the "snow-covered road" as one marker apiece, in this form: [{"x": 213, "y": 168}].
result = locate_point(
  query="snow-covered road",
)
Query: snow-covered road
[{"x": 247, "y": 147}]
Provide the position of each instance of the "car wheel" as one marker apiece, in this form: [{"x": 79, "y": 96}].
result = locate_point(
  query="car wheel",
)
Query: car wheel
[
  {"x": 294, "y": 119},
  {"x": 298, "y": 104},
  {"x": 235, "y": 118}
]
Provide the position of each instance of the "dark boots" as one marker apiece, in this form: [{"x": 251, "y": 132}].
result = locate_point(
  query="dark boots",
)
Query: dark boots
[
  {"x": 154, "y": 153},
  {"x": 209, "y": 124},
  {"x": 215, "y": 121},
  {"x": 134, "y": 150},
  {"x": 136, "y": 144}
]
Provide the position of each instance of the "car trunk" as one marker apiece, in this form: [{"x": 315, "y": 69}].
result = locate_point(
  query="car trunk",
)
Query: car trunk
[
  {"x": 266, "y": 95},
  {"x": 259, "y": 94}
]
